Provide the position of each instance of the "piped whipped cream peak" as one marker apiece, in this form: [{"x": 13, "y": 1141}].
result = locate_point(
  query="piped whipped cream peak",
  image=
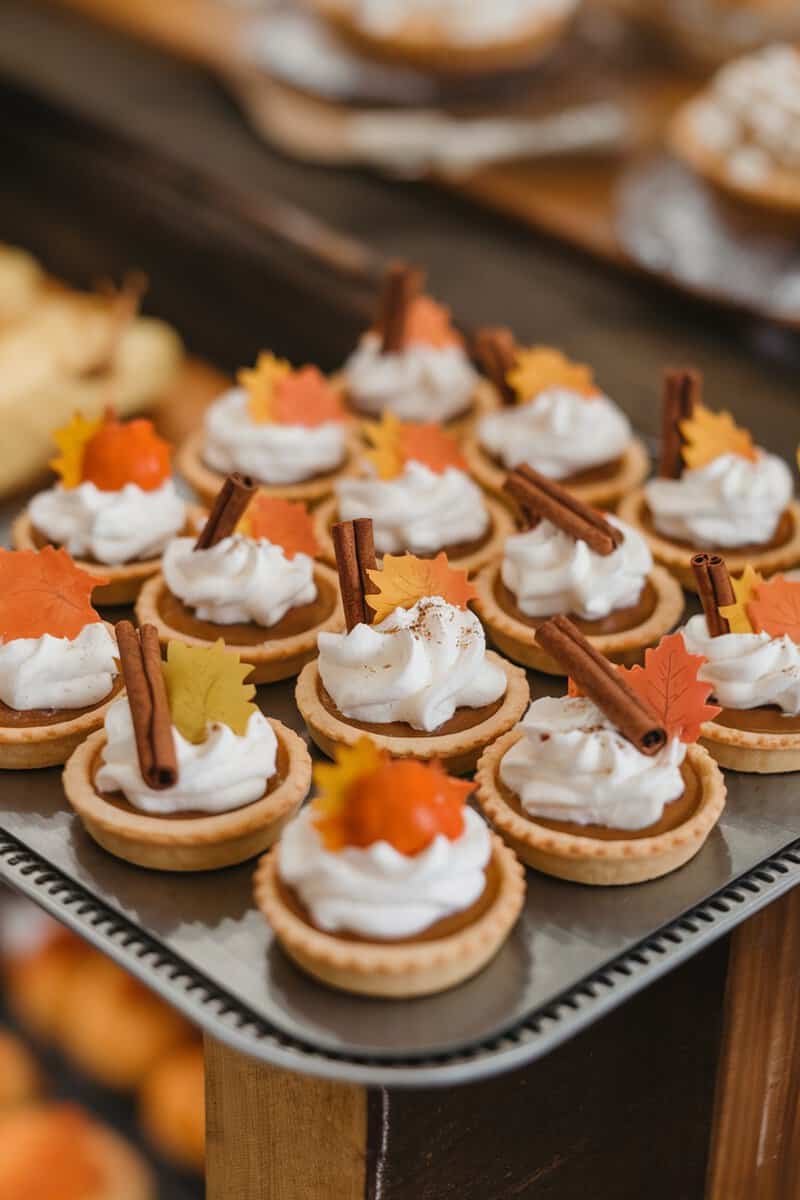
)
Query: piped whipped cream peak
[
  {"x": 420, "y": 381},
  {"x": 111, "y": 454},
  {"x": 58, "y": 672},
  {"x": 462, "y": 22},
  {"x": 747, "y": 670},
  {"x": 571, "y": 764}
]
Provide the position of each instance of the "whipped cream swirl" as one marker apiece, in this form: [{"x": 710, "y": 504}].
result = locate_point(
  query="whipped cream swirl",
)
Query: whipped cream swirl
[
  {"x": 727, "y": 503},
  {"x": 270, "y": 452},
  {"x": 420, "y": 510},
  {"x": 224, "y": 772},
  {"x": 572, "y": 764},
  {"x": 418, "y": 665},
  {"x": 747, "y": 670},
  {"x": 549, "y": 572},
  {"x": 377, "y": 892},
  {"x": 58, "y": 672},
  {"x": 109, "y": 527},
  {"x": 418, "y": 383},
  {"x": 238, "y": 580},
  {"x": 559, "y": 433},
  {"x": 464, "y": 22}
]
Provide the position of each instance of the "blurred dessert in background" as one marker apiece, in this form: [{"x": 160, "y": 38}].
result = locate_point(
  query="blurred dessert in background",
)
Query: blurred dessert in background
[
  {"x": 172, "y": 1107},
  {"x": 20, "y": 1078},
  {"x": 711, "y": 31}
]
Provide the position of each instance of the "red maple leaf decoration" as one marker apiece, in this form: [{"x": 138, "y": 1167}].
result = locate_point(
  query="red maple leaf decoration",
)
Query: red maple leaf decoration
[
  {"x": 668, "y": 683},
  {"x": 775, "y": 608},
  {"x": 43, "y": 591},
  {"x": 305, "y": 397},
  {"x": 285, "y": 523}
]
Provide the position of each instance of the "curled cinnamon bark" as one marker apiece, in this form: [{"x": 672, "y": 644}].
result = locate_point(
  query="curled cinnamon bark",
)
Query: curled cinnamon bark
[
  {"x": 402, "y": 283},
  {"x": 539, "y": 497},
  {"x": 603, "y": 684},
  {"x": 140, "y": 659},
  {"x": 682, "y": 392},
  {"x": 232, "y": 500},
  {"x": 715, "y": 590},
  {"x": 355, "y": 555},
  {"x": 496, "y": 350}
]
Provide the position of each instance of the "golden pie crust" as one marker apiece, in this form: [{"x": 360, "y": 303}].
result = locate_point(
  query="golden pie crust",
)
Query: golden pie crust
[
  {"x": 604, "y": 492},
  {"x": 518, "y": 640},
  {"x": 188, "y": 843},
  {"x": 404, "y": 969},
  {"x": 677, "y": 558},
  {"x": 758, "y": 752},
  {"x": 501, "y": 527},
  {"x": 458, "y": 752},
  {"x": 272, "y": 659},
  {"x": 591, "y": 860},
  {"x": 207, "y": 482},
  {"x": 28, "y": 747}
]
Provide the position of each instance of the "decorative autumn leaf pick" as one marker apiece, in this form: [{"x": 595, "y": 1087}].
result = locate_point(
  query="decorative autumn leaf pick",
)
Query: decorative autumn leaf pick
[
  {"x": 43, "y": 591},
  {"x": 396, "y": 442},
  {"x": 334, "y": 781},
  {"x": 206, "y": 685},
  {"x": 306, "y": 397},
  {"x": 259, "y": 382},
  {"x": 668, "y": 683},
  {"x": 71, "y": 441},
  {"x": 775, "y": 608},
  {"x": 404, "y": 579},
  {"x": 708, "y": 435},
  {"x": 542, "y": 367},
  {"x": 429, "y": 323},
  {"x": 285, "y": 523},
  {"x": 744, "y": 589}
]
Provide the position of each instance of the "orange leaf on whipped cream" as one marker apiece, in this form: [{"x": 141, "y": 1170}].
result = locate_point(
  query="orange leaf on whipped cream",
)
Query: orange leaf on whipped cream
[
  {"x": 429, "y": 323},
  {"x": 404, "y": 579},
  {"x": 285, "y": 523},
  {"x": 395, "y": 443},
  {"x": 279, "y": 395},
  {"x": 708, "y": 435},
  {"x": 71, "y": 441},
  {"x": 111, "y": 453},
  {"x": 43, "y": 591},
  {"x": 668, "y": 683},
  {"x": 540, "y": 368},
  {"x": 774, "y": 608},
  {"x": 205, "y": 685}
]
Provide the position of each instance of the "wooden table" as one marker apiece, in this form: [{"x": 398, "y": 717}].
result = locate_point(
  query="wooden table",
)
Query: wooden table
[{"x": 625, "y": 1109}]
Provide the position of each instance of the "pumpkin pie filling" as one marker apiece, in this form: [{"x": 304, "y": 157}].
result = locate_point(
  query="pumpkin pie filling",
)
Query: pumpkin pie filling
[
  {"x": 461, "y": 720},
  {"x": 29, "y": 718},
  {"x": 780, "y": 537},
  {"x": 766, "y": 719},
  {"x": 598, "y": 474},
  {"x": 618, "y": 621}
]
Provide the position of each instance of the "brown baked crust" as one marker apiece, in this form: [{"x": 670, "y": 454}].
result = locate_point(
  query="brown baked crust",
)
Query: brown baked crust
[
  {"x": 590, "y": 860},
  {"x": 746, "y": 750},
  {"x": 458, "y": 752},
  {"x": 518, "y": 641},
  {"x": 203, "y": 843},
  {"x": 402, "y": 970}
]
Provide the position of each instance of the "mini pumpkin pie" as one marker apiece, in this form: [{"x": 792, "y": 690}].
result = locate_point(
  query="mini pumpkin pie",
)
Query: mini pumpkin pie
[
  {"x": 172, "y": 1106},
  {"x": 749, "y": 637},
  {"x": 187, "y": 775},
  {"x": 284, "y": 427},
  {"x": 250, "y": 578},
  {"x": 412, "y": 672},
  {"x": 58, "y": 669},
  {"x": 413, "y": 363},
  {"x": 114, "y": 508},
  {"x": 605, "y": 786},
  {"x": 715, "y": 491},
  {"x": 555, "y": 419},
  {"x": 573, "y": 560},
  {"x": 388, "y": 884},
  {"x": 417, "y": 492}
]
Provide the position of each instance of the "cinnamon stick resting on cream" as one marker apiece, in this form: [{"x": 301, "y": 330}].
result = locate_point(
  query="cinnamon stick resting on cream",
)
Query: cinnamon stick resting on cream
[
  {"x": 539, "y": 497},
  {"x": 355, "y": 555},
  {"x": 140, "y": 659},
  {"x": 402, "y": 283},
  {"x": 715, "y": 590},
  {"x": 603, "y": 684},
  {"x": 229, "y": 507},
  {"x": 496, "y": 351},
  {"x": 682, "y": 392}
]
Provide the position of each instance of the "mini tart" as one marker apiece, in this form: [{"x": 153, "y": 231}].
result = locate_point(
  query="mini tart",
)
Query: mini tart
[
  {"x": 50, "y": 742},
  {"x": 602, "y": 486},
  {"x": 594, "y": 860},
  {"x": 272, "y": 653},
  {"x": 754, "y": 750},
  {"x": 188, "y": 842},
  {"x": 458, "y": 747},
  {"x": 466, "y": 556},
  {"x": 403, "y": 969},
  {"x": 485, "y": 399},
  {"x": 783, "y": 553},
  {"x": 207, "y": 482},
  {"x": 172, "y": 1107},
  {"x": 515, "y": 635}
]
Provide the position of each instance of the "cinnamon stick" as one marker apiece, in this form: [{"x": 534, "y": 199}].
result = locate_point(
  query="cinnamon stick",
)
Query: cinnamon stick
[
  {"x": 401, "y": 285},
  {"x": 603, "y": 684},
  {"x": 715, "y": 590},
  {"x": 351, "y": 540},
  {"x": 365, "y": 552},
  {"x": 496, "y": 350},
  {"x": 542, "y": 497},
  {"x": 232, "y": 500},
  {"x": 140, "y": 659},
  {"x": 681, "y": 393}
]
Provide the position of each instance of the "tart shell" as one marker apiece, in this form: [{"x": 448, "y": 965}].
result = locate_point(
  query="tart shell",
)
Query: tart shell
[
  {"x": 457, "y": 752},
  {"x": 757, "y": 752},
  {"x": 590, "y": 860},
  {"x": 280, "y": 658},
  {"x": 410, "y": 969},
  {"x": 518, "y": 640},
  {"x": 203, "y": 843}
]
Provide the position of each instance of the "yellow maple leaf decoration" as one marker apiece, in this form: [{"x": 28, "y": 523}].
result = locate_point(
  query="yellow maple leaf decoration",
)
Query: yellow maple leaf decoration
[
  {"x": 386, "y": 454},
  {"x": 71, "y": 441},
  {"x": 334, "y": 781},
  {"x": 206, "y": 685},
  {"x": 260, "y": 381},
  {"x": 744, "y": 588},
  {"x": 543, "y": 367},
  {"x": 404, "y": 579},
  {"x": 708, "y": 435}
]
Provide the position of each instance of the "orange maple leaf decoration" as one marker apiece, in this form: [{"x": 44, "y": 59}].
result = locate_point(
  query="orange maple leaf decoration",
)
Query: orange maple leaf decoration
[
  {"x": 396, "y": 442},
  {"x": 43, "y": 591},
  {"x": 540, "y": 368},
  {"x": 285, "y": 523},
  {"x": 429, "y": 323},
  {"x": 111, "y": 453},
  {"x": 668, "y": 683},
  {"x": 775, "y": 608},
  {"x": 404, "y": 579},
  {"x": 709, "y": 435},
  {"x": 307, "y": 398}
]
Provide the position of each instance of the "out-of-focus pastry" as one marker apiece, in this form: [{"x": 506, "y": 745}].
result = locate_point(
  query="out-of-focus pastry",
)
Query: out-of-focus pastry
[
  {"x": 20, "y": 1077},
  {"x": 39, "y": 960},
  {"x": 172, "y": 1107}
]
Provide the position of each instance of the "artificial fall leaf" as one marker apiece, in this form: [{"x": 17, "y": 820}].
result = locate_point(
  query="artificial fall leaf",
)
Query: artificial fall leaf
[
  {"x": 542, "y": 367},
  {"x": 71, "y": 441},
  {"x": 333, "y": 782},
  {"x": 743, "y": 588},
  {"x": 708, "y": 435},
  {"x": 260, "y": 383},
  {"x": 285, "y": 523},
  {"x": 206, "y": 685},
  {"x": 43, "y": 591},
  {"x": 668, "y": 683},
  {"x": 386, "y": 454},
  {"x": 429, "y": 323},
  {"x": 305, "y": 397},
  {"x": 573, "y": 690},
  {"x": 431, "y": 445},
  {"x": 775, "y": 608},
  {"x": 404, "y": 579},
  {"x": 122, "y": 452}
]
